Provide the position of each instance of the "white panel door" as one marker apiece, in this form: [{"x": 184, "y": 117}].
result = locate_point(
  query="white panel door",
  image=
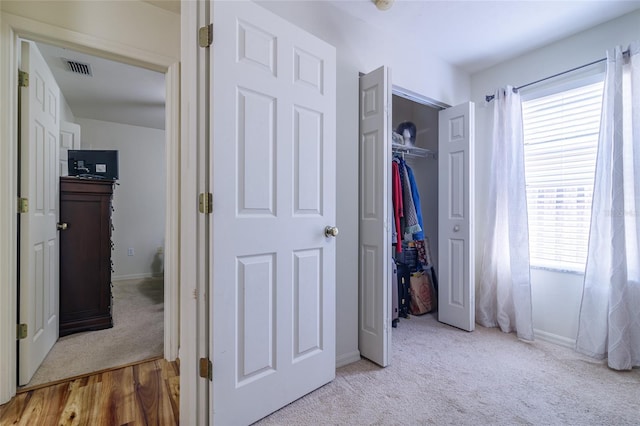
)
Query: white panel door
[
  {"x": 374, "y": 333},
  {"x": 456, "y": 272},
  {"x": 69, "y": 139},
  {"x": 39, "y": 246},
  {"x": 273, "y": 269}
]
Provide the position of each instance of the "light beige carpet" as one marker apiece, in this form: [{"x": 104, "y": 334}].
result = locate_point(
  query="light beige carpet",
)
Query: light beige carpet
[
  {"x": 444, "y": 376},
  {"x": 137, "y": 334}
]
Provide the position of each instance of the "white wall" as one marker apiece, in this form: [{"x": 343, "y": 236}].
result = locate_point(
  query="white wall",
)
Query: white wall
[
  {"x": 360, "y": 48},
  {"x": 139, "y": 199},
  {"x": 556, "y": 296},
  {"x": 133, "y": 23},
  {"x": 65, "y": 112}
]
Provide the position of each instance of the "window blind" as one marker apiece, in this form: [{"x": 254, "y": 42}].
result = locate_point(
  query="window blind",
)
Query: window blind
[{"x": 560, "y": 148}]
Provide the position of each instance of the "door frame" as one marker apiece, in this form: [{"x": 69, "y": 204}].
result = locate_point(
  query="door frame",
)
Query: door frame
[
  {"x": 422, "y": 100},
  {"x": 12, "y": 28},
  {"x": 194, "y": 168}
]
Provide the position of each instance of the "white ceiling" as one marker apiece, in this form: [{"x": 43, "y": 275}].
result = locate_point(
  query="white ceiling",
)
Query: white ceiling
[
  {"x": 472, "y": 35},
  {"x": 116, "y": 92},
  {"x": 476, "y": 34}
]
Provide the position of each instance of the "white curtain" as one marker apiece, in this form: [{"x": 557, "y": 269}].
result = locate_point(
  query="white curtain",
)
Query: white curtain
[
  {"x": 609, "y": 323},
  {"x": 503, "y": 294}
]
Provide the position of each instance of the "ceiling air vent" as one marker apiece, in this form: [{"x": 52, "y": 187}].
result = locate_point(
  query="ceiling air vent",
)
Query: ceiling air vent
[{"x": 78, "y": 67}]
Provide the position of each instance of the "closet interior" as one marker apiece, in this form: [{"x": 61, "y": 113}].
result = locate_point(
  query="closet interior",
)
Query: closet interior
[{"x": 414, "y": 203}]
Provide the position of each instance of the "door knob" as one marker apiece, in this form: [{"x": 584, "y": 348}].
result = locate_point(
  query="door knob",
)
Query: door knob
[
  {"x": 61, "y": 226},
  {"x": 330, "y": 231},
  {"x": 456, "y": 228}
]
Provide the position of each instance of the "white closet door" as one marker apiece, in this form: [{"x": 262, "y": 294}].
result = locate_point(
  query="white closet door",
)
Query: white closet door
[
  {"x": 69, "y": 139},
  {"x": 456, "y": 272},
  {"x": 375, "y": 217}
]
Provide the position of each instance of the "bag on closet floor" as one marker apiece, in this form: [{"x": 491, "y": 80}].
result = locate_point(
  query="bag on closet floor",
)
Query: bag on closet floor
[
  {"x": 404, "y": 277},
  {"x": 423, "y": 295},
  {"x": 408, "y": 256}
]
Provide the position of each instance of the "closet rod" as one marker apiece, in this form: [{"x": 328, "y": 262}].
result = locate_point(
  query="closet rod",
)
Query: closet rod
[
  {"x": 413, "y": 151},
  {"x": 489, "y": 98},
  {"x": 430, "y": 155}
]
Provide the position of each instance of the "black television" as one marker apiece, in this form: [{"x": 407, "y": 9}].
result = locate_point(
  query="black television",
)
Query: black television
[{"x": 93, "y": 163}]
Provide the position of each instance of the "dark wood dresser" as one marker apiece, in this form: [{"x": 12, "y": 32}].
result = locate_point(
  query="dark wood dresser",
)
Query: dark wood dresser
[{"x": 85, "y": 254}]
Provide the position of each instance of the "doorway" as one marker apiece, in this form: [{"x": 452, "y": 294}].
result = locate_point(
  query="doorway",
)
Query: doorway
[
  {"x": 14, "y": 27},
  {"x": 119, "y": 107}
]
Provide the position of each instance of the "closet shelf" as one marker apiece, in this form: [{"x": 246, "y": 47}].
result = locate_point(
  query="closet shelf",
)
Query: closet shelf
[{"x": 412, "y": 151}]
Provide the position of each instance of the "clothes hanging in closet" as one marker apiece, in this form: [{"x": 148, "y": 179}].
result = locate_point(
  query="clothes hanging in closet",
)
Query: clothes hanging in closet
[
  {"x": 397, "y": 204},
  {"x": 413, "y": 255},
  {"x": 415, "y": 195},
  {"x": 411, "y": 216},
  {"x": 406, "y": 200},
  {"x": 407, "y": 209}
]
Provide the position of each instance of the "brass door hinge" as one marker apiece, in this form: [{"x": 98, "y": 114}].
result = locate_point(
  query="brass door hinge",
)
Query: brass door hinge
[
  {"x": 23, "y": 79},
  {"x": 23, "y": 205},
  {"x": 21, "y": 331},
  {"x": 206, "y": 368},
  {"x": 205, "y": 203},
  {"x": 205, "y": 36}
]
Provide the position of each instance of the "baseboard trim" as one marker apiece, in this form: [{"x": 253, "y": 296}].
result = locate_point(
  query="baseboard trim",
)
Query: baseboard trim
[
  {"x": 555, "y": 338},
  {"x": 348, "y": 358},
  {"x": 134, "y": 276}
]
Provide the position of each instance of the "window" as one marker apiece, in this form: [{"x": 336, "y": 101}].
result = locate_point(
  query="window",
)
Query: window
[{"x": 560, "y": 147}]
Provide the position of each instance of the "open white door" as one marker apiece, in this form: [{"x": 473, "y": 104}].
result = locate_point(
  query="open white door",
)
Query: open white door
[
  {"x": 39, "y": 246},
  {"x": 274, "y": 192},
  {"x": 69, "y": 139},
  {"x": 456, "y": 271},
  {"x": 374, "y": 323}
]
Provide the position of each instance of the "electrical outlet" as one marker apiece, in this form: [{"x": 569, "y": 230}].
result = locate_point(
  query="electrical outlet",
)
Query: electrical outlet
[{"x": 130, "y": 251}]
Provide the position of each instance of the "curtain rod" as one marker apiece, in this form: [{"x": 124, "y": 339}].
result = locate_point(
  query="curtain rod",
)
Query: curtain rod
[{"x": 489, "y": 98}]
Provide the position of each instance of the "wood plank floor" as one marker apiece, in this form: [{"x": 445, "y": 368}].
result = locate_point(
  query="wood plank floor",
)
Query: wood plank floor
[{"x": 147, "y": 393}]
